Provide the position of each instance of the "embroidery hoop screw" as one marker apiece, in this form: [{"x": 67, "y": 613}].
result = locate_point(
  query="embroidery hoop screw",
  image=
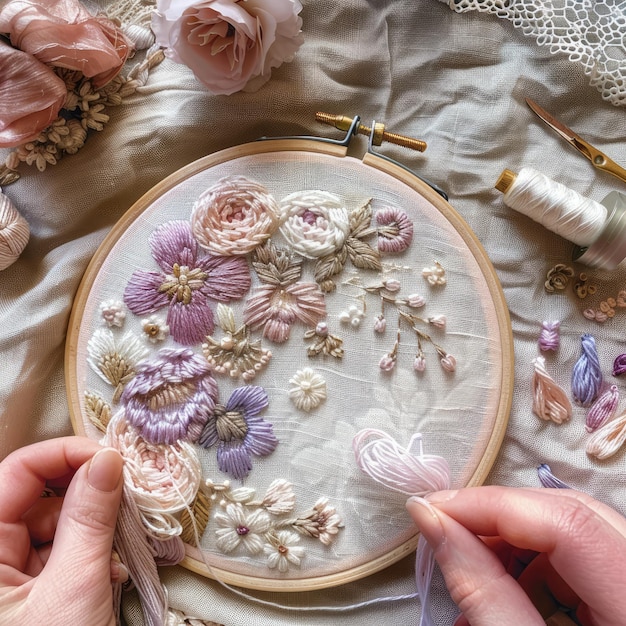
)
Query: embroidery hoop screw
[{"x": 343, "y": 122}]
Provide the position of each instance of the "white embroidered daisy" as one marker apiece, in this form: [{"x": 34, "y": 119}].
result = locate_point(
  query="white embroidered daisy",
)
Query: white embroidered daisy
[
  {"x": 239, "y": 527},
  {"x": 155, "y": 329},
  {"x": 283, "y": 551},
  {"x": 315, "y": 223},
  {"x": 307, "y": 389},
  {"x": 328, "y": 521}
]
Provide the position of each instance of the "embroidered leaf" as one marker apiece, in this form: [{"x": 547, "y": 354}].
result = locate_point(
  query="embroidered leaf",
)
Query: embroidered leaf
[
  {"x": 226, "y": 318},
  {"x": 363, "y": 255},
  {"x": 276, "y": 266},
  {"x": 98, "y": 411},
  {"x": 201, "y": 509},
  {"x": 360, "y": 221},
  {"x": 330, "y": 266}
]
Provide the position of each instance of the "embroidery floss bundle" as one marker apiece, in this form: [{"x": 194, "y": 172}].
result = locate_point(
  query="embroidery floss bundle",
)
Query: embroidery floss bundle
[
  {"x": 594, "y": 227},
  {"x": 549, "y": 338},
  {"x": 587, "y": 375},
  {"x": 603, "y": 409},
  {"x": 608, "y": 439},
  {"x": 619, "y": 365},
  {"x": 550, "y": 402},
  {"x": 548, "y": 479},
  {"x": 14, "y": 232},
  {"x": 412, "y": 473}
]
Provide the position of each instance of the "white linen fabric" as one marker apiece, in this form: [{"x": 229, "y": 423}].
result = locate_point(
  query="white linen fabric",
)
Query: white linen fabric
[{"x": 457, "y": 81}]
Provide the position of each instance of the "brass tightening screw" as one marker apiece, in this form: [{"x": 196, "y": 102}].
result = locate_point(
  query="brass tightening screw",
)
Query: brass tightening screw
[{"x": 343, "y": 122}]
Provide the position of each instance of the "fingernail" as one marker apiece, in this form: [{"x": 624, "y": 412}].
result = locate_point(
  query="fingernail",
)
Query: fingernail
[
  {"x": 119, "y": 573},
  {"x": 105, "y": 470},
  {"x": 426, "y": 519},
  {"x": 441, "y": 496}
]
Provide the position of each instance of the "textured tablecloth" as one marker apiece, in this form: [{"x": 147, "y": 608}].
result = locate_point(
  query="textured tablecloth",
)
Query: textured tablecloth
[{"x": 458, "y": 81}]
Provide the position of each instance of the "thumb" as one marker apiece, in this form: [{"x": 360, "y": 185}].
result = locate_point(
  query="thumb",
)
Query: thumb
[{"x": 81, "y": 551}]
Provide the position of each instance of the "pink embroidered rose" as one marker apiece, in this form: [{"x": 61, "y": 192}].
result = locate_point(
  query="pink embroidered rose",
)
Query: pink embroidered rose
[
  {"x": 62, "y": 33},
  {"x": 31, "y": 95},
  {"x": 234, "y": 216},
  {"x": 229, "y": 44}
]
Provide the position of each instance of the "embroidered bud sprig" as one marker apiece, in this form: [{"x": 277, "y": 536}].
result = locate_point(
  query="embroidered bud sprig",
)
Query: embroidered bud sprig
[
  {"x": 549, "y": 338},
  {"x": 548, "y": 479},
  {"x": 603, "y": 409},
  {"x": 324, "y": 342},
  {"x": 587, "y": 375},
  {"x": 447, "y": 360},
  {"x": 550, "y": 402}
]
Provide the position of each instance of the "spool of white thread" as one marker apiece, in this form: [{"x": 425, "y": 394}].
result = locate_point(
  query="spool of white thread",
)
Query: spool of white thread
[{"x": 597, "y": 228}]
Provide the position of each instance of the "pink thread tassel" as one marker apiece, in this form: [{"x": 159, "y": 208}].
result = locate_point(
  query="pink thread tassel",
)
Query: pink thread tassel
[
  {"x": 603, "y": 409},
  {"x": 413, "y": 473},
  {"x": 550, "y": 402}
]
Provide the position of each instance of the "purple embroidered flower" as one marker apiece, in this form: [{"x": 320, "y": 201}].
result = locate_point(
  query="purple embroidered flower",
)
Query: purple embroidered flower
[
  {"x": 187, "y": 283},
  {"x": 239, "y": 432},
  {"x": 171, "y": 397},
  {"x": 276, "y": 308},
  {"x": 395, "y": 230}
]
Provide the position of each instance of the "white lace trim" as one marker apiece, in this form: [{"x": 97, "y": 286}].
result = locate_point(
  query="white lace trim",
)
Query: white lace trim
[{"x": 589, "y": 32}]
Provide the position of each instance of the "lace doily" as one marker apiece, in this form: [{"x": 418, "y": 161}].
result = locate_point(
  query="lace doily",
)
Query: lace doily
[{"x": 590, "y": 33}]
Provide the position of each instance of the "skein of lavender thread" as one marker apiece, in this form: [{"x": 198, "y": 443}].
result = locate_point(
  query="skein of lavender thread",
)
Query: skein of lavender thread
[
  {"x": 549, "y": 338},
  {"x": 587, "y": 375}
]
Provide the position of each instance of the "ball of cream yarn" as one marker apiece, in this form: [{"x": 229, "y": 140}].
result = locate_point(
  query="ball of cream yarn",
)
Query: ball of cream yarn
[{"x": 14, "y": 232}]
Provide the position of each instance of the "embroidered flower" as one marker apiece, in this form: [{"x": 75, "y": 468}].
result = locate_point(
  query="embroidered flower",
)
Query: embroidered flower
[
  {"x": 325, "y": 342},
  {"x": 63, "y": 33},
  {"x": 155, "y": 329},
  {"x": 114, "y": 361},
  {"x": 239, "y": 526},
  {"x": 283, "y": 550},
  {"x": 419, "y": 364},
  {"x": 448, "y": 362},
  {"x": 558, "y": 277},
  {"x": 435, "y": 275},
  {"x": 353, "y": 316},
  {"x": 388, "y": 361},
  {"x": 186, "y": 284},
  {"x": 439, "y": 321},
  {"x": 276, "y": 308},
  {"x": 234, "y": 216},
  {"x": 239, "y": 432},
  {"x": 162, "y": 478},
  {"x": 392, "y": 285},
  {"x": 321, "y": 522},
  {"x": 395, "y": 230},
  {"x": 229, "y": 45},
  {"x": 314, "y": 223},
  {"x": 113, "y": 313},
  {"x": 235, "y": 353},
  {"x": 279, "y": 497},
  {"x": 171, "y": 397},
  {"x": 307, "y": 389},
  {"x": 415, "y": 301}
]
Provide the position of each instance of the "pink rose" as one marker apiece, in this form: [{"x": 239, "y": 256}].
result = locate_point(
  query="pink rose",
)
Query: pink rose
[
  {"x": 31, "y": 95},
  {"x": 62, "y": 33},
  {"x": 229, "y": 43}
]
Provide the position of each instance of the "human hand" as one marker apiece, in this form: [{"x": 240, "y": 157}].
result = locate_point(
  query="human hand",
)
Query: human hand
[
  {"x": 55, "y": 552},
  {"x": 516, "y": 556}
]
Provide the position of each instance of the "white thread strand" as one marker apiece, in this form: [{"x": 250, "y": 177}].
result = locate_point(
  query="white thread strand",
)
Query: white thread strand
[{"x": 560, "y": 209}]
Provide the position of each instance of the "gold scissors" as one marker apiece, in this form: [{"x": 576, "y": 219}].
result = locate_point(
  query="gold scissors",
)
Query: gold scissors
[{"x": 597, "y": 158}]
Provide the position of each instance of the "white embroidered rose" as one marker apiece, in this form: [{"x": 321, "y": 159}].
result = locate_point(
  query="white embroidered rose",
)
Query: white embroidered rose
[
  {"x": 229, "y": 44},
  {"x": 315, "y": 223}
]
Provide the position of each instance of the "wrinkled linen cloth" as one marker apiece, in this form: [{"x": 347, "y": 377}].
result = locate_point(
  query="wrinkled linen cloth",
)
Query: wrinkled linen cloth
[{"x": 455, "y": 80}]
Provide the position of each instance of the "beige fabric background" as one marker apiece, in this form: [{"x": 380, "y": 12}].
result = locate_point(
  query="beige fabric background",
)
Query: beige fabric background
[{"x": 457, "y": 81}]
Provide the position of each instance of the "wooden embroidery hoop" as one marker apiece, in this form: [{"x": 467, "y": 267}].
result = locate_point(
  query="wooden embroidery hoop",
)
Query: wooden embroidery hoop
[{"x": 338, "y": 150}]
